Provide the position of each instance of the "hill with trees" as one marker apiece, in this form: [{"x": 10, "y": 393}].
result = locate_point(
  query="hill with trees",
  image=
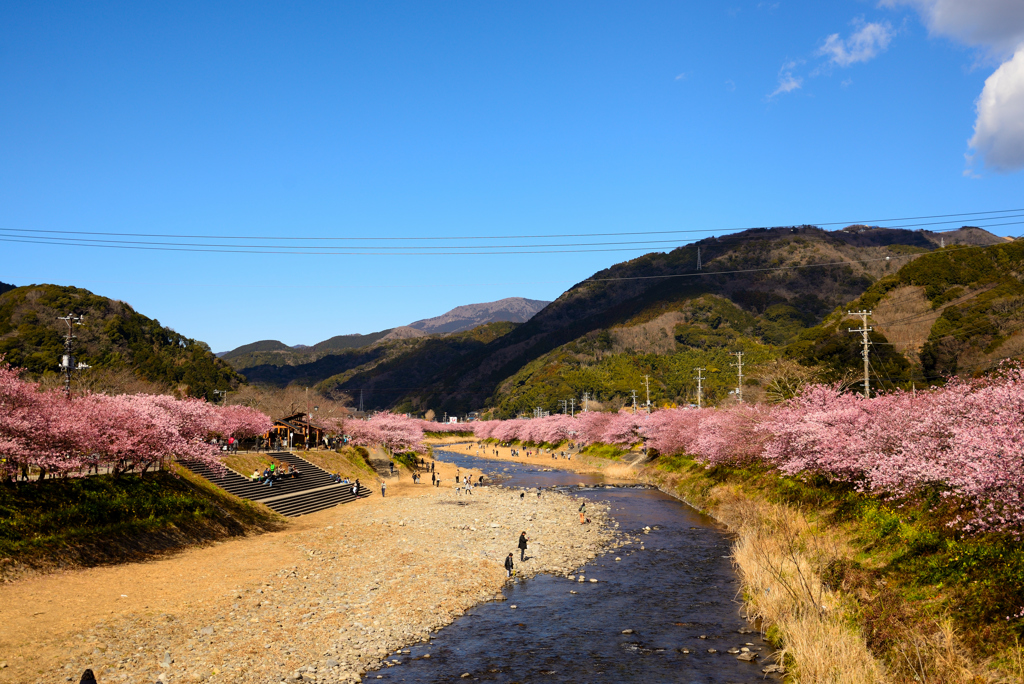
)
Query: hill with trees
[
  {"x": 113, "y": 339},
  {"x": 663, "y": 315}
]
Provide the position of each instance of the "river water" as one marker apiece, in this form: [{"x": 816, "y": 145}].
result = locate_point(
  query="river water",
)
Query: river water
[{"x": 680, "y": 588}]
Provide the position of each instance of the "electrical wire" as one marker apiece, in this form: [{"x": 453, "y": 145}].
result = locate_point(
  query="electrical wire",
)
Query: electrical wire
[{"x": 977, "y": 216}]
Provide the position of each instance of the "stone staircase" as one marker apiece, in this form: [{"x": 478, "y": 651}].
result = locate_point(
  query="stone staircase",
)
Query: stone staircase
[{"x": 311, "y": 491}]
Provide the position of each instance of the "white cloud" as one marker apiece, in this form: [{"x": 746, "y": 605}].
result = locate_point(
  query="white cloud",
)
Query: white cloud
[
  {"x": 999, "y": 129},
  {"x": 864, "y": 45},
  {"x": 995, "y": 25},
  {"x": 787, "y": 81}
]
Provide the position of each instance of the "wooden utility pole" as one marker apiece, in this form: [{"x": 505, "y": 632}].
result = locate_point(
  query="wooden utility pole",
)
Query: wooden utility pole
[{"x": 866, "y": 342}]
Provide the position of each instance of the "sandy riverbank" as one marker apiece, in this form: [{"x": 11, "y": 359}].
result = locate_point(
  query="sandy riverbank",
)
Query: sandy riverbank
[{"x": 331, "y": 595}]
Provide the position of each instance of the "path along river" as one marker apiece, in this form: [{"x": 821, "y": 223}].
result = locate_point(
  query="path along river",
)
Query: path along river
[{"x": 678, "y": 594}]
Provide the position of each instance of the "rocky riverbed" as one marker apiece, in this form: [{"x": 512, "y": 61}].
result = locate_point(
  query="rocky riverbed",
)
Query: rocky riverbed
[{"x": 341, "y": 594}]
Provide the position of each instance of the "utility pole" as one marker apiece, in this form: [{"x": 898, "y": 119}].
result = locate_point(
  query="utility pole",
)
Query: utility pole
[
  {"x": 698, "y": 259},
  {"x": 586, "y": 401},
  {"x": 361, "y": 401},
  {"x": 700, "y": 387},
  {"x": 739, "y": 371},
  {"x": 67, "y": 361},
  {"x": 309, "y": 420},
  {"x": 634, "y": 401},
  {"x": 866, "y": 341},
  {"x": 572, "y": 407},
  {"x": 647, "y": 384},
  {"x": 565, "y": 406}
]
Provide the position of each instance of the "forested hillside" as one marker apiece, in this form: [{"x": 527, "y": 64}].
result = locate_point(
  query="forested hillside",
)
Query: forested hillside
[
  {"x": 658, "y": 315},
  {"x": 113, "y": 337},
  {"x": 956, "y": 311},
  {"x": 759, "y": 292}
]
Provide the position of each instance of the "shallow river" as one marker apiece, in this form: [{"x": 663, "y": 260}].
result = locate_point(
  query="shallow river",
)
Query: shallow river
[{"x": 680, "y": 588}]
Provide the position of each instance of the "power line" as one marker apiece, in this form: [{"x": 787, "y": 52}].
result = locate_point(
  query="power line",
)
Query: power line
[
  {"x": 293, "y": 238},
  {"x": 17, "y": 236}
]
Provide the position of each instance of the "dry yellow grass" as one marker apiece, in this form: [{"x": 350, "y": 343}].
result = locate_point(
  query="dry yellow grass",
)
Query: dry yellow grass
[{"x": 777, "y": 555}]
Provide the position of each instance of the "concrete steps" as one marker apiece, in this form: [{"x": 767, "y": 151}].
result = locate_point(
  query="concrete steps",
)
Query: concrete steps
[{"x": 310, "y": 492}]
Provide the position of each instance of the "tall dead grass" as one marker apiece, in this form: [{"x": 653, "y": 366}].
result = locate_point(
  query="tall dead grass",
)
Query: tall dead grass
[{"x": 777, "y": 555}]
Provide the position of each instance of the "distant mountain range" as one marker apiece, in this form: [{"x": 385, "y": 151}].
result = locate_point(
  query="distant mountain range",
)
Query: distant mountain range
[{"x": 459, "y": 319}]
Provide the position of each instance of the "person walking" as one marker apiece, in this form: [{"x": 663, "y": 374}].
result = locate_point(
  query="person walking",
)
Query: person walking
[
  {"x": 383, "y": 488},
  {"x": 522, "y": 545},
  {"x": 583, "y": 512},
  {"x": 509, "y": 565}
]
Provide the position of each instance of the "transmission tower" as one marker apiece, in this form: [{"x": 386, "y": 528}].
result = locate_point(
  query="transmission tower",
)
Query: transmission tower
[
  {"x": 866, "y": 341},
  {"x": 634, "y": 400},
  {"x": 586, "y": 401},
  {"x": 700, "y": 387},
  {"x": 572, "y": 407},
  {"x": 739, "y": 372}
]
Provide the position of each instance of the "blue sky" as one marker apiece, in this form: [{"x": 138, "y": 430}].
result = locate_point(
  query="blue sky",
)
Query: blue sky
[{"x": 391, "y": 120}]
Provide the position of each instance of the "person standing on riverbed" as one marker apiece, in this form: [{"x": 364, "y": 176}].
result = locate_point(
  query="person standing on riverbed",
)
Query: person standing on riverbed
[
  {"x": 509, "y": 566},
  {"x": 583, "y": 512},
  {"x": 522, "y": 545},
  {"x": 383, "y": 489}
]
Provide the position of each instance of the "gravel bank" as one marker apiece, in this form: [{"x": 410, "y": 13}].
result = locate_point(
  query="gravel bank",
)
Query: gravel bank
[{"x": 352, "y": 587}]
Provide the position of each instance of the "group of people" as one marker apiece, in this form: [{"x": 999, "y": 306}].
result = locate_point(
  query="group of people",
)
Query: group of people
[
  {"x": 510, "y": 566},
  {"x": 516, "y": 453},
  {"x": 337, "y": 478},
  {"x": 274, "y": 472}
]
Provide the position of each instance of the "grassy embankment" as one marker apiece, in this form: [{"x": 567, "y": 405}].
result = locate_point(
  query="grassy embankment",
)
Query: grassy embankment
[
  {"x": 350, "y": 461},
  {"x": 857, "y": 589},
  {"x": 103, "y": 519}
]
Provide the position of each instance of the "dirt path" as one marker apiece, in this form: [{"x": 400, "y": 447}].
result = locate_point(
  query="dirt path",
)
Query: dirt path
[{"x": 333, "y": 593}]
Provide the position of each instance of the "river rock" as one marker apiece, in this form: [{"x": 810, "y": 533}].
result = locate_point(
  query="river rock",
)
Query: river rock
[
  {"x": 746, "y": 657},
  {"x": 627, "y": 631}
]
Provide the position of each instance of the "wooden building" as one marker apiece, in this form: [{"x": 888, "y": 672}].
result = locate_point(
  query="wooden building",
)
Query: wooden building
[{"x": 293, "y": 431}]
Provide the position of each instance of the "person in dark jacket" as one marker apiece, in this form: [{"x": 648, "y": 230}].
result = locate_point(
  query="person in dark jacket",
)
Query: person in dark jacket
[
  {"x": 509, "y": 566},
  {"x": 522, "y": 545}
]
